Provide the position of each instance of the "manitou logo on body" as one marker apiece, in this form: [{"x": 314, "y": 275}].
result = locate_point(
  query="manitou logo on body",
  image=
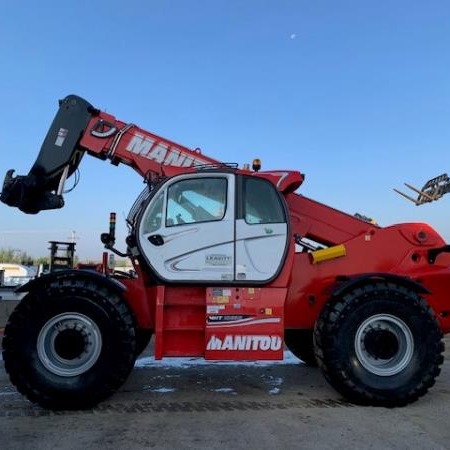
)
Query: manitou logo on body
[
  {"x": 252, "y": 343},
  {"x": 161, "y": 153}
]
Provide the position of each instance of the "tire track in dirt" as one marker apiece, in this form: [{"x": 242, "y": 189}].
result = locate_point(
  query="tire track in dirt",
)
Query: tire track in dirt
[{"x": 24, "y": 410}]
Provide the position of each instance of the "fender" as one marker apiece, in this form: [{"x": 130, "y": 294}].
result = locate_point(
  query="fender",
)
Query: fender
[
  {"x": 347, "y": 283},
  {"x": 45, "y": 279}
]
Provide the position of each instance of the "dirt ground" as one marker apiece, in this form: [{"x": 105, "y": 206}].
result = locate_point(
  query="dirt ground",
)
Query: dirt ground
[{"x": 190, "y": 404}]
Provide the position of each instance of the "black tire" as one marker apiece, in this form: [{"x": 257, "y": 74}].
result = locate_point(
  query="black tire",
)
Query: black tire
[
  {"x": 301, "y": 344},
  {"x": 380, "y": 344},
  {"x": 69, "y": 344},
  {"x": 142, "y": 339}
]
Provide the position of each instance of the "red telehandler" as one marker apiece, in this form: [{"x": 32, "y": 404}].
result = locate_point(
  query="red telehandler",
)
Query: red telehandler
[{"x": 231, "y": 264}]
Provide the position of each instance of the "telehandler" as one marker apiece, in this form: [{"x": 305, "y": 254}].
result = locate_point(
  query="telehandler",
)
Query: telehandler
[{"x": 230, "y": 264}]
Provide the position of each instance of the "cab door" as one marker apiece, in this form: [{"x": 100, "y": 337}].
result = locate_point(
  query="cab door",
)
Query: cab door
[
  {"x": 261, "y": 230},
  {"x": 187, "y": 230}
]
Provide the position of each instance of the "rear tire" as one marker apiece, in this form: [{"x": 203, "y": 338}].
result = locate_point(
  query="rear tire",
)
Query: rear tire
[
  {"x": 69, "y": 344},
  {"x": 301, "y": 344},
  {"x": 380, "y": 344}
]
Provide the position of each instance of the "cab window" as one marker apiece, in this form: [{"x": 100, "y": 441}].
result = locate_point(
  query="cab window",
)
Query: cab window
[
  {"x": 262, "y": 204},
  {"x": 196, "y": 200},
  {"x": 153, "y": 216}
]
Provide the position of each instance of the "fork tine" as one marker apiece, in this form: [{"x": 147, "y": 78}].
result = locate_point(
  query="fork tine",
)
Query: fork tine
[
  {"x": 428, "y": 196},
  {"x": 407, "y": 196}
]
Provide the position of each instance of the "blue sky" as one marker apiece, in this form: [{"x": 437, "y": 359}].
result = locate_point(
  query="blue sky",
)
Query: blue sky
[{"x": 355, "y": 94}]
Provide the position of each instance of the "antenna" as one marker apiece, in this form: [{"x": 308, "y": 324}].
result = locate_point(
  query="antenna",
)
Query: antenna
[{"x": 73, "y": 236}]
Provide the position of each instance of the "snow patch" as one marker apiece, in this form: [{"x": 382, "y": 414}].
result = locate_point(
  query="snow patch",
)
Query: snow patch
[
  {"x": 182, "y": 363},
  {"x": 160, "y": 390},
  {"x": 274, "y": 382},
  {"x": 165, "y": 377},
  {"x": 225, "y": 390}
]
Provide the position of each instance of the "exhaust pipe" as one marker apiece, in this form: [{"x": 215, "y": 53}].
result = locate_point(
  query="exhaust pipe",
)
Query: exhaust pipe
[{"x": 58, "y": 158}]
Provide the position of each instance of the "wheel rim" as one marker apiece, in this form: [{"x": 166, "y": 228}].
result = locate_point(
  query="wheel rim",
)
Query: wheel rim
[
  {"x": 69, "y": 344},
  {"x": 384, "y": 345}
]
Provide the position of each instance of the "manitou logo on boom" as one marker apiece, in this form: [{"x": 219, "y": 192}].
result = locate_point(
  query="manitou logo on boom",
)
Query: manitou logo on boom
[
  {"x": 237, "y": 342},
  {"x": 169, "y": 155}
]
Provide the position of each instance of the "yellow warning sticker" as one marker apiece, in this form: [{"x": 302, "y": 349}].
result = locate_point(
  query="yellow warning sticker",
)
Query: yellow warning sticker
[{"x": 221, "y": 299}]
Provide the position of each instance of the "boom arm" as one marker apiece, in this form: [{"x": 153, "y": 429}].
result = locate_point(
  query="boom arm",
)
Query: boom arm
[{"x": 77, "y": 128}]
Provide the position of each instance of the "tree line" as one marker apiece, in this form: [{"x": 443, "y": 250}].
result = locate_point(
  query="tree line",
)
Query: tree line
[
  {"x": 18, "y": 256},
  {"x": 14, "y": 255}
]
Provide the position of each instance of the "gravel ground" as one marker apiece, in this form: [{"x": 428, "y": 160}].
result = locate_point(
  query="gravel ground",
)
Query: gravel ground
[{"x": 189, "y": 404}]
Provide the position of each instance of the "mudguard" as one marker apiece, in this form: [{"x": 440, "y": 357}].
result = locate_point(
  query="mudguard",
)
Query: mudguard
[
  {"x": 99, "y": 278},
  {"x": 345, "y": 284}
]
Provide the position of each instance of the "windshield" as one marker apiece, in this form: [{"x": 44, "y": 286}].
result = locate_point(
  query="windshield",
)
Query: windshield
[{"x": 199, "y": 200}]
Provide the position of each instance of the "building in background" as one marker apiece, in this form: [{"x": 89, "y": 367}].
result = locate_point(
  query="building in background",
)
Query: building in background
[{"x": 16, "y": 274}]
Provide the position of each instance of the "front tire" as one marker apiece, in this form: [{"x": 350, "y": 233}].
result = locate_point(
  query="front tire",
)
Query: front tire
[
  {"x": 69, "y": 344},
  {"x": 380, "y": 344}
]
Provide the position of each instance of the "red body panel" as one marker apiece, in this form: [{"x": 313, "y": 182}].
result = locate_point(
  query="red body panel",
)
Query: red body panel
[
  {"x": 244, "y": 323},
  {"x": 385, "y": 250}
]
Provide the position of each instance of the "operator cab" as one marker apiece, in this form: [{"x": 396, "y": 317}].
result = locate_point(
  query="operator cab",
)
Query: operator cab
[{"x": 214, "y": 226}]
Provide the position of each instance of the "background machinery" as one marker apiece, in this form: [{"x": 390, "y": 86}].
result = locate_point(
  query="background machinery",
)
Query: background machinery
[
  {"x": 230, "y": 264},
  {"x": 431, "y": 191}
]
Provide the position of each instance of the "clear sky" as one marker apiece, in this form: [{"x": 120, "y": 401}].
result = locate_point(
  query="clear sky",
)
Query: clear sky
[{"x": 356, "y": 94}]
